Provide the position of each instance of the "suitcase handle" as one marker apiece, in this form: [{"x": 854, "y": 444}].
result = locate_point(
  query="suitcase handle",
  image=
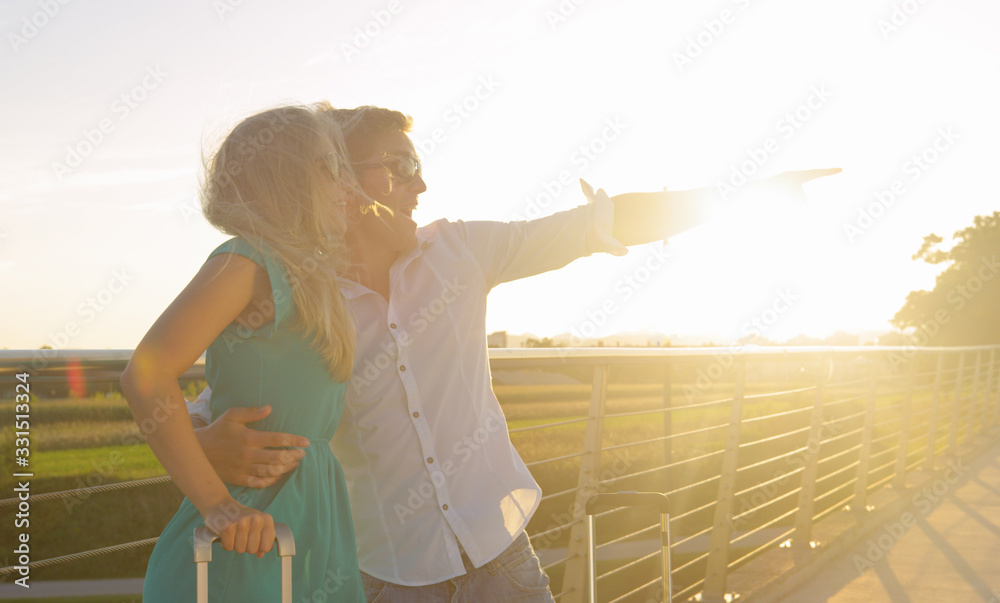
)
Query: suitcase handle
[
  {"x": 614, "y": 500},
  {"x": 204, "y": 537}
]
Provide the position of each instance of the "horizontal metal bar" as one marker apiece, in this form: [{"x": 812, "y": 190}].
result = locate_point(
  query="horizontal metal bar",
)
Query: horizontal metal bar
[
  {"x": 654, "y": 411},
  {"x": 786, "y": 392},
  {"x": 777, "y": 414},
  {"x": 776, "y": 437},
  {"x": 635, "y": 590},
  {"x": 626, "y": 536},
  {"x": 838, "y": 471},
  {"x": 737, "y": 562},
  {"x": 697, "y": 431},
  {"x": 690, "y": 563},
  {"x": 750, "y": 533},
  {"x": 829, "y": 510},
  {"x": 554, "y": 459},
  {"x": 563, "y": 560},
  {"x": 835, "y": 438},
  {"x": 772, "y": 459},
  {"x": 547, "y": 425},
  {"x": 563, "y": 493},
  {"x": 690, "y": 537},
  {"x": 632, "y": 563},
  {"x": 684, "y": 595},
  {"x": 770, "y": 502},
  {"x": 640, "y": 443}
]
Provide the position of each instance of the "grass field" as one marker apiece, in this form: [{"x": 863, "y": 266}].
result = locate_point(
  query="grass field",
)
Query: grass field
[{"x": 77, "y": 443}]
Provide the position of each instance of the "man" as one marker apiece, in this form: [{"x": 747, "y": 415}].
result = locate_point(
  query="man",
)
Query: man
[{"x": 435, "y": 518}]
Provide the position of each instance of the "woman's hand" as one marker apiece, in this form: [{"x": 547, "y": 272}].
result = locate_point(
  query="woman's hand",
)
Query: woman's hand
[{"x": 241, "y": 528}]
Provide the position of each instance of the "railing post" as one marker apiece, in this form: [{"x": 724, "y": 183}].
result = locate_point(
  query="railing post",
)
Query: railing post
[
  {"x": 996, "y": 399},
  {"x": 807, "y": 495},
  {"x": 587, "y": 485},
  {"x": 668, "y": 424},
  {"x": 956, "y": 401},
  {"x": 899, "y": 475},
  {"x": 970, "y": 431},
  {"x": 859, "y": 502},
  {"x": 718, "y": 548},
  {"x": 985, "y": 419},
  {"x": 932, "y": 421}
]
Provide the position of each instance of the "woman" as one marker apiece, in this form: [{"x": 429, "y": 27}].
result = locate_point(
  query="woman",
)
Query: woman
[{"x": 267, "y": 307}]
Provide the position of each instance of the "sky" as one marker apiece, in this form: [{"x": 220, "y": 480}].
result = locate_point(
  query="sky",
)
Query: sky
[{"x": 109, "y": 106}]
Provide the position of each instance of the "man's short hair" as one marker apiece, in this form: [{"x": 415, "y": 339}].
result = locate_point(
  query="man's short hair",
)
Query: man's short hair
[{"x": 361, "y": 125}]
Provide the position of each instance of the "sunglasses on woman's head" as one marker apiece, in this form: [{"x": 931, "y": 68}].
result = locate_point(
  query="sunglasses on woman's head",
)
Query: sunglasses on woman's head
[
  {"x": 332, "y": 162},
  {"x": 402, "y": 167}
]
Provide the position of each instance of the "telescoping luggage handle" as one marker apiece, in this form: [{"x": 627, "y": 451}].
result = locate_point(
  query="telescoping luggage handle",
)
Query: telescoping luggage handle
[
  {"x": 600, "y": 502},
  {"x": 203, "y": 539}
]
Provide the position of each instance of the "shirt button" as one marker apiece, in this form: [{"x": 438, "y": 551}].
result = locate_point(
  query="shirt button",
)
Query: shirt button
[
  {"x": 416, "y": 414},
  {"x": 392, "y": 325},
  {"x": 402, "y": 367},
  {"x": 430, "y": 459},
  {"x": 445, "y": 507}
]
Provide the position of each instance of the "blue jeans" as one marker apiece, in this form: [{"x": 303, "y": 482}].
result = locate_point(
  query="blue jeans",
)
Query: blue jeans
[{"x": 516, "y": 575}]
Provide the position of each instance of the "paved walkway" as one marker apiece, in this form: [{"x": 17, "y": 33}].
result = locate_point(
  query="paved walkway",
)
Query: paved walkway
[
  {"x": 72, "y": 588},
  {"x": 945, "y": 548}
]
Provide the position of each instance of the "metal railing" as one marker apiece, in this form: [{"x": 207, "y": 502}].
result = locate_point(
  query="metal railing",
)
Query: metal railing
[{"x": 754, "y": 447}]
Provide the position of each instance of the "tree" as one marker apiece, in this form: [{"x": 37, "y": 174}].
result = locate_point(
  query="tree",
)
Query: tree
[{"x": 964, "y": 306}]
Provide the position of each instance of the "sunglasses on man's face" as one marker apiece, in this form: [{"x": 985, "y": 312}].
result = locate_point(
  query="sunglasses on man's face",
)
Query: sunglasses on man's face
[{"x": 402, "y": 167}]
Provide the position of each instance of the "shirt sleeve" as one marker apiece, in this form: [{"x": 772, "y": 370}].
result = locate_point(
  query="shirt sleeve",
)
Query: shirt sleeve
[
  {"x": 200, "y": 408},
  {"x": 507, "y": 251}
]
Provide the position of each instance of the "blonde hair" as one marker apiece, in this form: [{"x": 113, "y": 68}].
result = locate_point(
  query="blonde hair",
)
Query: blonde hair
[{"x": 259, "y": 186}]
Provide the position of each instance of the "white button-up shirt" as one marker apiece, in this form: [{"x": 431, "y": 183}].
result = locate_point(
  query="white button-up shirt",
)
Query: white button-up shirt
[{"x": 423, "y": 441}]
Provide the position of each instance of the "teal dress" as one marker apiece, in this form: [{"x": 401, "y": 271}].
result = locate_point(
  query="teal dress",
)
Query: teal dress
[{"x": 271, "y": 365}]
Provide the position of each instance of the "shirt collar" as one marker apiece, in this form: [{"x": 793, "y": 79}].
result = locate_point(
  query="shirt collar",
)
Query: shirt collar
[{"x": 425, "y": 236}]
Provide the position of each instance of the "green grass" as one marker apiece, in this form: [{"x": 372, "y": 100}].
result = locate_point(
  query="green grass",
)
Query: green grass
[{"x": 106, "y": 463}]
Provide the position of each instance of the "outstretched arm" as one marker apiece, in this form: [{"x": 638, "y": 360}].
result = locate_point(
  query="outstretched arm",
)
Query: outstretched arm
[
  {"x": 646, "y": 217},
  {"x": 215, "y": 297}
]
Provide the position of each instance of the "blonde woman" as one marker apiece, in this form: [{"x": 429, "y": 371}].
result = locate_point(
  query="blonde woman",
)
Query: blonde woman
[{"x": 278, "y": 333}]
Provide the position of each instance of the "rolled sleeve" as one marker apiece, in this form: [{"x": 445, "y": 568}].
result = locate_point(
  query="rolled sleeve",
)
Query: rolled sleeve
[{"x": 200, "y": 408}]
